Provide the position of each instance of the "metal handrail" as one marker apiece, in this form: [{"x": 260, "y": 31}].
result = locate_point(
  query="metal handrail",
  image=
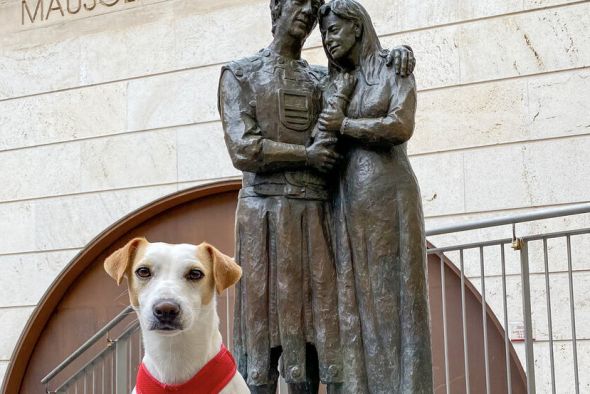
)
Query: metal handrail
[
  {"x": 127, "y": 333},
  {"x": 512, "y": 219},
  {"x": 95, "y": 338}
]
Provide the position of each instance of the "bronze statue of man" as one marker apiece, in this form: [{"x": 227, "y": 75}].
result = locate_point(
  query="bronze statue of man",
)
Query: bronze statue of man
[{"x": 286, "y": 303}]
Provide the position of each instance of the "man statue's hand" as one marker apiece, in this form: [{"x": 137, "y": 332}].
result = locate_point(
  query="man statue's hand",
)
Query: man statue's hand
[
  {"x": 331, "y": 119},
  {"x": 320, "y": 157},
  {"x": 403, "y": 60}
]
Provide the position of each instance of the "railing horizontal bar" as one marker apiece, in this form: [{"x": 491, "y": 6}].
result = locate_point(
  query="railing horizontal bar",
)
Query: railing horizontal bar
[
  {"x": 127, "y": 333},
  {"x": 475, "y": 245},
  {"x": 522, "y": 218},
  {"x": 87, "y": 344},
  {"x": 74, "y": 377},
  {"x": 560, "y": 234}
]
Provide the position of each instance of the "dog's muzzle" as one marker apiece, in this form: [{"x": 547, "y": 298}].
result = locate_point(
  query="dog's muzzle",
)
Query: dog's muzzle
[{"x": 167, "y": 316}]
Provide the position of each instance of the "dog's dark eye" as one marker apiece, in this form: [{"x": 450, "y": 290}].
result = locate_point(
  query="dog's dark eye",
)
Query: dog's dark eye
[
  {"x": 143, "y": 272},
  {"x": 195, "y": 275}
]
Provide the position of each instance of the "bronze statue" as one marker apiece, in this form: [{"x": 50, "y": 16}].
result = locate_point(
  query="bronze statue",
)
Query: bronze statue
[
  {"x": 287, "y": 300},
  {"x": 379, "y": 225}
]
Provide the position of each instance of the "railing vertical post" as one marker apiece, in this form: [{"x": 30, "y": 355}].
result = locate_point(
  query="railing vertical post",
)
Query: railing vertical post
[
  {"x": 445, "y": 329},
  {"x": 121, "y": 366},
  {"x": 484, "y": 322},
  {"x": 573, "y": 312},
  {"x": 506, "y": 334},
  {"x": 527, "y": 314},
  {"x": 464, "y": 319},
  {"x": 549, "y": 315}
]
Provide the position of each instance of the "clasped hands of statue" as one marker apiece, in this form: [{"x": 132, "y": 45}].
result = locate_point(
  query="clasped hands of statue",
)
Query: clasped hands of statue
[{"x": 321, "y": 154}]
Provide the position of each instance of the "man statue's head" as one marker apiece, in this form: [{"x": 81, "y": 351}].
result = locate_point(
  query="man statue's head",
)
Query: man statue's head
[{"x": 296, "y": 18}]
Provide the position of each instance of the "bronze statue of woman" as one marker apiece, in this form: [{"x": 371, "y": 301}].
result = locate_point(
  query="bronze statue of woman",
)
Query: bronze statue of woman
[{"x": 379, "y": 224}]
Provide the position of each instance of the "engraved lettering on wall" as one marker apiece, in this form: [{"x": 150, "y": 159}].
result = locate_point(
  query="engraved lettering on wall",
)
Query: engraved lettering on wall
[{"x": 34, "y": 11}]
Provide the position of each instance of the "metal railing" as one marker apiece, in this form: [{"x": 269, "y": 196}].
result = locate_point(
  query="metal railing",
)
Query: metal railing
[
  {"x": 543, "y": 258},
  {"x": 111, "y": 368}
]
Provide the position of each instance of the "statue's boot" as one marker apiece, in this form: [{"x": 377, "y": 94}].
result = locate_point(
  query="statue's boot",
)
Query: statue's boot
[
  {"x": 303, "y": 388},
  {"x": 335, "y": 388},
  {"x": 266, "y": 389}
]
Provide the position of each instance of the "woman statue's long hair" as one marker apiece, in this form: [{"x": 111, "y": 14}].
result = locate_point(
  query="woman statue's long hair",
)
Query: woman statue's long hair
[{"x": 371, "y": 53}]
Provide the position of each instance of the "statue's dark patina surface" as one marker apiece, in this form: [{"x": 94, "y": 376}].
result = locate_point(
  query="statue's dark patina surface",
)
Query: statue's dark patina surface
[{"x": 297, "y": 295}]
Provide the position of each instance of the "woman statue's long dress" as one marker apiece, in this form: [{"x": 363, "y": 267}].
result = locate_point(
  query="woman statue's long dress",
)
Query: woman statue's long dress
[{"x": 379, "y": 224}]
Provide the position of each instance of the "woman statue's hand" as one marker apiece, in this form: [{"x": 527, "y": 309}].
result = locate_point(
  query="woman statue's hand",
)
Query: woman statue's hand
[
  {"x": 331, "y": 119},
  {"x": 345, "y": 84}
]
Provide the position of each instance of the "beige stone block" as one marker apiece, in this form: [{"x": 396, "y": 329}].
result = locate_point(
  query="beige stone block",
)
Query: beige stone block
[
  {"x": 16, "y": 227},
  {"x": 545, "y": 106},
  {"x": 532, "y": 4},
  {"x": 202, "y": 153},
  {"x": 524, "y": 176},
  {"x": 441, "y": 183},
  {"x": 26, "y": 277},
  {"x": 85, "y": 216},
  {"x": 558, "y": 171},
  {"x": 129, "y": 51},
  {"x": 528, "y": 43},
  {"x": 12, "y": 322},
  {"x": 42, "y": 171},
  {"x": 497, "y": 178},
  {"x": 407, "y": 14},
  {"x": 468, "y": 116},
  {"x": 63, "y": 116},
  {"x": 31, "y": 69},
  {"x": 137, "y": 159},
  {"x": 210, "y": 37},
  {"x": 559, "y": 104},
  {"x": 176, "y": 99}
]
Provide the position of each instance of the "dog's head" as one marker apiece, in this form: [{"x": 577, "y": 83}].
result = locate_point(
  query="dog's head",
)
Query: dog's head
[{"x": 169, "y": 285}]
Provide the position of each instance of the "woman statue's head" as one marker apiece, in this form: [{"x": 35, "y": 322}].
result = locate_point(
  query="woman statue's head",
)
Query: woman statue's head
[{"x": 348, "y": 34}]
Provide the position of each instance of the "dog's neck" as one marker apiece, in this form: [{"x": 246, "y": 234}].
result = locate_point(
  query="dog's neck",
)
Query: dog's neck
[{"x": 176, "y": 359}]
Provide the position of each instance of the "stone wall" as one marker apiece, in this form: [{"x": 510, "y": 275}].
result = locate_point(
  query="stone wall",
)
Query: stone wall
[{"x": 105, "y": 110}]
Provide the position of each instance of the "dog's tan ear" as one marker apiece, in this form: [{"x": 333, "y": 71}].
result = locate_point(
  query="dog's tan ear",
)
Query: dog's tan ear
[
  {"x": 116, "y": 264},
  {"x": 225, "y": 270}
]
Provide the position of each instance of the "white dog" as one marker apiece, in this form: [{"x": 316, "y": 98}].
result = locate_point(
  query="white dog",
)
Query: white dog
[{"x": 172, "y": 288}]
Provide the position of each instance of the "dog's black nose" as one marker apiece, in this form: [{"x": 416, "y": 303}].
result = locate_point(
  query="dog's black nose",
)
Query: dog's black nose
[{"x": 166, "y": 311}]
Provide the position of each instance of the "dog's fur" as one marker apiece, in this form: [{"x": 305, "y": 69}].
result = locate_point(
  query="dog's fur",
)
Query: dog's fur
[{"x": 176, "y": 349}]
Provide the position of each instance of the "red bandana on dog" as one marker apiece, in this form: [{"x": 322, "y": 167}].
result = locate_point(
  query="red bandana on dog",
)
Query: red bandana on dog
[{"x": 211, "y": 379}]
